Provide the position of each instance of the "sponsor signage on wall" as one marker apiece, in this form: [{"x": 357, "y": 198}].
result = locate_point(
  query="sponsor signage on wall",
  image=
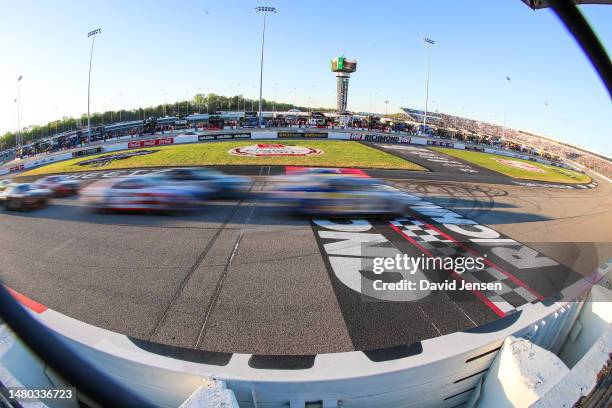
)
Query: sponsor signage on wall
[
  {"x": 382, "y": 138},
  {"x": 86, "y": 152},
  {"x": 151, "y": 142},
  {"x": 309, "y": 135},
  {"x": 16, "y": 168},
  {"x": 223, "y": 136},
  {"x": 440, "y": 143}
]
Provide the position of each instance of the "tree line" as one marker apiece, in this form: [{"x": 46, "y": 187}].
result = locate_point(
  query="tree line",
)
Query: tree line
[{"x": 201, "y": 103}]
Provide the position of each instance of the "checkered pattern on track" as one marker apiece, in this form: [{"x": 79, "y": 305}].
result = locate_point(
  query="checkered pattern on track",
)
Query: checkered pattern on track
[{"x": 510, "y": 297}]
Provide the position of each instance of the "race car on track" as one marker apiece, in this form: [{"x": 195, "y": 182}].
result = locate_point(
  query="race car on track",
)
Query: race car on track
[
  {"x": 4, "y": 184},
  {"x": 221, "y": 185},
  {"x": 60, "y": 186},
  {"x": 24, "y": 196},
  {"x": 142, "y": 194},
  {"x": 339, "y": 195}
]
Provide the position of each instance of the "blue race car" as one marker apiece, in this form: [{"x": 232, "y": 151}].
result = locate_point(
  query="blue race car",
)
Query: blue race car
[{"x": 340, "y": 195}]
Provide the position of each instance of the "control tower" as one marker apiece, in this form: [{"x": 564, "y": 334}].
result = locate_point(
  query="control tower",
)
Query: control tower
[{"x": 343, "y": 69}]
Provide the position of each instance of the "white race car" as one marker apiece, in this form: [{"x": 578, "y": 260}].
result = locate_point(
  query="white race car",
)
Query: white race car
[{"x": 141, "y": 194}]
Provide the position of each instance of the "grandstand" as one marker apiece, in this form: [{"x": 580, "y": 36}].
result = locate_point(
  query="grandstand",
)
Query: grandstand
[
  {"x": 440, "y": 125},
  {"x": 418, "y": 116},
  {"x": 479, "y": 132}
]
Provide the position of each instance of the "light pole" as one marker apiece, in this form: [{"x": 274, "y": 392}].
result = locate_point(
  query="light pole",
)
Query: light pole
[
  {"x": 19, "y": 141},
  {"x": 428, "y": 42},
  {"x": 265, "y": 10},
  {"x": 386, "y": 107},
  {"x": 165, "y": 101},
  {"x": 506, "y": 107},
  {"x": 275, "y": 89},
  {"x": 91, "y": 34}
]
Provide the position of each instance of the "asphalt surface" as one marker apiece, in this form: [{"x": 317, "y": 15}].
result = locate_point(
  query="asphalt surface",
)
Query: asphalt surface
[{"x": 242, "y": 276}]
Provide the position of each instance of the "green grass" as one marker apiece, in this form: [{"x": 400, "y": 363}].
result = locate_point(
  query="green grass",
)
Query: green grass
[
  {"x": 549, "y": 173},
  {"x": 335, "y": 154}
]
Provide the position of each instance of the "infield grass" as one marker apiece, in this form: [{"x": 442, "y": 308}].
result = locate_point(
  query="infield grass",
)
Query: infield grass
[
  {"x": 335, "y": 154},
  {"x": 549, "y": 173}
]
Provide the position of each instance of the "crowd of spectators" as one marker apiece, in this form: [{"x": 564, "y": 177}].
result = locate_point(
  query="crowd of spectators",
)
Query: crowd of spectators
[
  {"x": 592, "y": 161},
  {"x": 482, "y": 133},
  {"x": 447, "y": 127}
]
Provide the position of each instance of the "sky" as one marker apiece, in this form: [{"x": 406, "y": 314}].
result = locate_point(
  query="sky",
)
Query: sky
[{"x": 150, "y": 52}]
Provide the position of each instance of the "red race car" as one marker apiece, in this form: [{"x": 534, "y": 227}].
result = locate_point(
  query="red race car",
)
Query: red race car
[{"x": 60, "y": 186}]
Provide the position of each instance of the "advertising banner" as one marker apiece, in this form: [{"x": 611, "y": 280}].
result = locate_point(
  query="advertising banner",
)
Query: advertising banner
[
  {"x": 151, "y": 142},
  {"x": 386, "y": 139},
  {"x": 440, "y": 143},
  {"x": 85, "y": 152},
  {"x": 16, "y": 168},
  {"x": 308, "y": 135},
  {"x": 223, "y": 136}
]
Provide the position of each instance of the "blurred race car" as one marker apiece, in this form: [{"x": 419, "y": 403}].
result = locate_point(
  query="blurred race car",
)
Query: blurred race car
[
  {"x": 24, "y": 196},
  {"x": 60, "y": 186},
  {"x": 4, "y": 183},
  {"x": 221, "y": 185},
  {"x": 141, "y": 193},
  {"x": 340, "y": 195}
]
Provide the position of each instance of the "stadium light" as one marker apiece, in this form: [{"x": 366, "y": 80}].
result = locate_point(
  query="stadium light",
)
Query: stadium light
[
  {"x": 91, "y": 34},
  {"x": 265, "y": 10},
  {"x": 428, "y": 42},
  {"x": 509, "y": 81}
]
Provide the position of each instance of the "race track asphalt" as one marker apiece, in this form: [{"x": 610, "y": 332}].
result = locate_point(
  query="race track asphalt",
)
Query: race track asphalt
[{"x": 242, "y": 276}]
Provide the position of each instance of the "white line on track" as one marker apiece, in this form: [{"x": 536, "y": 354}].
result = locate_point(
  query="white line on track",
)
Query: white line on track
[{"x": 218, "y": 290}]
